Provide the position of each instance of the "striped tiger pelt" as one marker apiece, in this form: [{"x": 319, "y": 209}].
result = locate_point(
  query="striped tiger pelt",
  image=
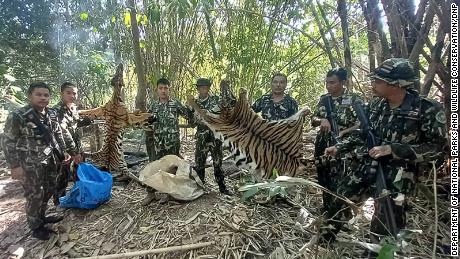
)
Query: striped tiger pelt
[
  {"x": 262, "y": 144},
  {"x": 117, "y": 117}
]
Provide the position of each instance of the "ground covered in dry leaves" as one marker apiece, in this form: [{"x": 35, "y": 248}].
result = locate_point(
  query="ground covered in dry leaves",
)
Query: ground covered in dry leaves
[{"x": 238, "y": 229}]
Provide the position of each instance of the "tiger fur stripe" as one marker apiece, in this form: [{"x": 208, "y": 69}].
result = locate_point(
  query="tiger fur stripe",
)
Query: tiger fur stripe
[
  {"x": 269, "y": 145},
  {"x": 117, "y": 117}
]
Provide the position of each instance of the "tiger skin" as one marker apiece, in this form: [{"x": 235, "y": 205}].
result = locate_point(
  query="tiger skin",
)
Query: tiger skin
[
  {"x": 262, "y": 145},
  {"x": 117, "y": 117}
]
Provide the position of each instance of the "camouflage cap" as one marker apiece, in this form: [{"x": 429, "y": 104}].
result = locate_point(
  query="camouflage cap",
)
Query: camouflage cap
[
  {"x": 203, "y": 82},
  {"x": 395, "y": 71}
]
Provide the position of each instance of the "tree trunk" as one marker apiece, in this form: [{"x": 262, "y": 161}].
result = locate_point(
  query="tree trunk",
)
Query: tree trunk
[
  {"x": 396, "y": 28},
  {"x": 141, "y": 88},
  {"x": 418, "y": 19},
  {"x": 342, "y": 10},
  {"x": 435, "y": 61},
  {"x": 332, "y": 60},
  {"x": 371, "y": 35},
  {"x": 377, "y": 24},
  {"x": 335, "y": 44},
  {"x": 210, "y": 34},
  {"x": 407, "y": 12},
  {"x": 422, "y": 34}
]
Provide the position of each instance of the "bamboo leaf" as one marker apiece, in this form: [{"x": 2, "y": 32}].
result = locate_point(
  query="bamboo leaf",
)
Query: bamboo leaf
[
  {"x": 250, "y": 193},
  {"x": 154, "y": 14},
  {"x": 127, "y": 18},
  {"x": 387, "y": 252},
  {"x": 84, "y": 16}
]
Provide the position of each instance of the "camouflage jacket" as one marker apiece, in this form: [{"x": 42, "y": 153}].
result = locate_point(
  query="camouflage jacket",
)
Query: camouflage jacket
[
  {"x": 70, "y": 121},
  {"x": 275, "y": 111},
  {"x": 166, "y": 126},
  {"x": 24, "y": 142},
  {"x": 344, "y": 114},
  {"x": 227, "y": 99},
  {"x": 416, "y": 132},
  {"x": 211, "y": 104}
]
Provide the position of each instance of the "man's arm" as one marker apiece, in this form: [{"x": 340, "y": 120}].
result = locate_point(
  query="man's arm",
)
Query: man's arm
[
  {"x": 433, "y": 138},
  {"x": 67, "y": 137},
  {"x": 348, "y": 130},
  {"x": 10, "y": 139},
  {"x": 83, "y": 122},
  {"x": 257, "y": 105},
  {"x": 66, "y": 151},
  {"x": 227, "y": 96},
  {"x": 184, "y": 112},
  {"x": 62, "y": 142},
  {"x": 317, "y": 116},
  {"x": 294, "y": 107}
]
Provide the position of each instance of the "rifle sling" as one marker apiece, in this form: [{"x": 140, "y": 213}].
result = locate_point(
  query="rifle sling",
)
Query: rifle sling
[{"x": 47, "y": 135}]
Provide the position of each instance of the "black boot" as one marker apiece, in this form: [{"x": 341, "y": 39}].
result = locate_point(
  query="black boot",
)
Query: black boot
[
  {"x": 326, "y": 239},
  {"x": 221, "y": 182},
  {"x": 369, "y": 254},
  {"x": 223, "y": 189},
  {"x": 41, "y": 233},
  {"x": 52, "y": 219},
  {"x": 200, "y": 173}
]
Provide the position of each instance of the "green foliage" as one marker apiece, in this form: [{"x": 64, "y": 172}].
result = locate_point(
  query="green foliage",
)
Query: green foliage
[
  {"x": 245, "y": 41},
  {"x": 25, "y": 49},
  {"x": 387, "y": 251},
  {"x": 127, "y": 18},
  {"x": 84, "y": 16},
  {"x": 274, "y": 173},
  {"x": 250, "y": 193},
  {"x": 268, "y": 189}
]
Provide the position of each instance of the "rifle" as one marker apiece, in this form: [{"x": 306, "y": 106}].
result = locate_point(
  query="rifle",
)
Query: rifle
[
  {"x": 331, "y": 117},
  {"x": 47, "y": 135},
  {"x": 376, "y": 167}
]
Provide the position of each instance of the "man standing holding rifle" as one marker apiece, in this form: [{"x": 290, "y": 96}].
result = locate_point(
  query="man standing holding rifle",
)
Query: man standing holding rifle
[
  {"x": 335, "y": 116},
  {"x": 403, "y": 130},
  {"x": 34, "y": 147}
]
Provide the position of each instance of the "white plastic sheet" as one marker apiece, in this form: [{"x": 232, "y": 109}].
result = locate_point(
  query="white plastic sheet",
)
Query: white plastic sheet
[{"x": 174, "y": 176}]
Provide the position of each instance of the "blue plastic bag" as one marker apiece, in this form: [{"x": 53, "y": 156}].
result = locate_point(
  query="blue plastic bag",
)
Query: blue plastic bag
[{"x": 93, "y": 188}]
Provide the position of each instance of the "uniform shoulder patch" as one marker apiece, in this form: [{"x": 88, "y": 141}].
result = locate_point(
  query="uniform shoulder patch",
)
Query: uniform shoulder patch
[{"x": 441, "y": 117}]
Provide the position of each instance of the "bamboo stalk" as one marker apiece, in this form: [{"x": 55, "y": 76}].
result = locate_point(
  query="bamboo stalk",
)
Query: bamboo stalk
[
  {"x": 151, "y": 251},
  {"x": 435, "y": 193}
]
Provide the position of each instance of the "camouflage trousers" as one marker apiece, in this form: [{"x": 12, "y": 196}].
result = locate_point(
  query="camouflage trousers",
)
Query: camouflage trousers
[
  {"x": 358, "y": 184},
  {"x": 157, "y": 149},
  {"x": 62, "y": 182},
  {"x": 39, "y": 185},
  {"x": 206, "y": 143},
  {"x": 149, "y": 145},
  {"x": 328, "y": 173},
  {"x": 327, "y": 170}
]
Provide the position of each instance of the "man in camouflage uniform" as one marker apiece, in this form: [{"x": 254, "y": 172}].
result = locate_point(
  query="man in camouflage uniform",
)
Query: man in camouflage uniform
[
  {"x": 69, "y": 121},
  {"x": 34, "y": 147},
  {"x": 205, "y": 141},
  {"x": 411, "y": 130},
  {"x": 340, "y": 103},
  {"x": 276, "y": 105},
  {"x": 165, "y": 139}
]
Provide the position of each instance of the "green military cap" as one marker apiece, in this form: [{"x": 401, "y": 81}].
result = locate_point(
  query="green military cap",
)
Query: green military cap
[
  {"x": 203, "y": 82},
  {"x": 395, "y": 71}
]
